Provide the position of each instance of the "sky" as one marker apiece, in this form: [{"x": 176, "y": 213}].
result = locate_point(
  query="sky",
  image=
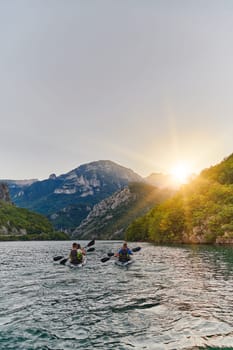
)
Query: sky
[{"x": 145, "y": 83}]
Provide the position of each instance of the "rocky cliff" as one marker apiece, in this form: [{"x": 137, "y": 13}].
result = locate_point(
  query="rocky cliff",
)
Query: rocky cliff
[
  {"x": 67, "y": 199},
  {"x": 4, "y": 193},
  {"x": 110, "y": 217}
]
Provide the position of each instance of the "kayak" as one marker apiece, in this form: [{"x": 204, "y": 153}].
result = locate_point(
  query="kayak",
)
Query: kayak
[
  {"x": 124, "y": 264},
  {"x": 77, "y": 266},
  {"x": 65, "y": 261}
]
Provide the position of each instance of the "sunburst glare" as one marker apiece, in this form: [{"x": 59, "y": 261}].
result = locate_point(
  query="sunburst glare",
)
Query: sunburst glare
[{"x": 181, "y": 173}]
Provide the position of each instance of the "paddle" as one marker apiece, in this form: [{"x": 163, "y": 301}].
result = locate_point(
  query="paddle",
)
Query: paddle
[
  {"x": 112, "y": 254},
  {"x": 63, "y": 261},
  {"x": 59, "y": 257},
  {"x": 91, "y": 250}
]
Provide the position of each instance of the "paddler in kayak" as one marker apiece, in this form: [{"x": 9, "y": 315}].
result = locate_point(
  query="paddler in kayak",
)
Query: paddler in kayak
[
  {"x": 76, "y": 254},
  {"x": 124, "y": 253}
]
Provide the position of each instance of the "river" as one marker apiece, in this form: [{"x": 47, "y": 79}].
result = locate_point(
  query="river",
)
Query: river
[{"x": 170, "y": 298}]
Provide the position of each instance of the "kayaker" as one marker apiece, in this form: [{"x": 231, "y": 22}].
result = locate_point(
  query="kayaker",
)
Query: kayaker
[
  {"x": 124, "y": 253},
  {"x": 76, "y": 254}
]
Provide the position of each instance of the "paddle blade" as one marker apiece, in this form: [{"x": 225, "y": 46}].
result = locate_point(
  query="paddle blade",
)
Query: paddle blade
[
  {"x": 90, "y": 250},
  {"x": 63, "y": 261},
  {"x": 110, "y": 254},
  {"x": 90, "y": 243},
  {"x": 105, "y": 259},
  {"x": 136, "y": 249},
  {"x": 59, "y": 257}
]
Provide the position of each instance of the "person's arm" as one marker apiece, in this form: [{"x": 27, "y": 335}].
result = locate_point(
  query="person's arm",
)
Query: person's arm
[
  {"x": 117, "y": 254},
  {"x": 130, "y": 252},
  {"x": 83, "y": 251}
]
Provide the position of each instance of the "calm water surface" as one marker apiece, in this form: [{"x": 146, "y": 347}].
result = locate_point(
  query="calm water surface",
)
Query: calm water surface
[{"x": 170, "y": 298}]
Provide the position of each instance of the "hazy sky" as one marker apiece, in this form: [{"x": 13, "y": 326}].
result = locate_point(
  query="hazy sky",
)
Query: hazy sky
[{"x": 144, "y": 83}]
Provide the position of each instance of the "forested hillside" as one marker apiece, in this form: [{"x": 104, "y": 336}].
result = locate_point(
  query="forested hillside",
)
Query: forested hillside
[
  {"x": 22, "y": 224},
  {"x": 200, "y": 212}
]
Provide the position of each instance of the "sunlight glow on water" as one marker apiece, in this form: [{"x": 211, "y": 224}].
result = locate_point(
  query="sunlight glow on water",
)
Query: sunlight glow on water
[{"x": 170, "y": 298}]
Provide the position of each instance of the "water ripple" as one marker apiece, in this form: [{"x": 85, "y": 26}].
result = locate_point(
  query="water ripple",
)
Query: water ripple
[{"x": 170, "y": 298}]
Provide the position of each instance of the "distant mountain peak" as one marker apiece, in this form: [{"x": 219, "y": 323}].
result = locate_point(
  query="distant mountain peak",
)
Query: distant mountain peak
[
  {"x": 67, "y": 199},
  {"x": 107, "y": 166},
  {"x": 160, "y": 180}
]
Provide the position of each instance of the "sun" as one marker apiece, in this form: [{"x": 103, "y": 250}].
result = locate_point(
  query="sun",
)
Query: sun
[{"x": 181, "y": 173}]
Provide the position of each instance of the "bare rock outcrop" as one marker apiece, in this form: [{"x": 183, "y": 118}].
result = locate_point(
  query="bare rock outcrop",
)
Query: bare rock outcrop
[{"x": 4, "y": 193}]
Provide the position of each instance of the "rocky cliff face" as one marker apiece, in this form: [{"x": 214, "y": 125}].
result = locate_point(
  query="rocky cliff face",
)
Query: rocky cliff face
[
  {"x": 4, "y": 193},
  {"x": 6, "y": 229},
  {"x": 88, "y": 179},
  {"x": 94, "y": 226},
  {"x": 67, "y": 199},
  {"x": 110, "y": 218}
]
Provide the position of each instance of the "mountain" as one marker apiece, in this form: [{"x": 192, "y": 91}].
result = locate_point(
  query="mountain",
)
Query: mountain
[
  {"x": 67, "y": 199},
  {"x": 19, "y": 182},
  {"x": 22, "y": 224},
  {"x": 200, "y": 212},
  {"x": 110, "y": 218},
  {"x": 166, "y": 180},
  {"x": 160, "y": 180}
]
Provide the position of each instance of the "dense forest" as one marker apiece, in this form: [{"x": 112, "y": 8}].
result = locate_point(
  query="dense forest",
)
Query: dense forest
[{"x": 200, "y": 212}]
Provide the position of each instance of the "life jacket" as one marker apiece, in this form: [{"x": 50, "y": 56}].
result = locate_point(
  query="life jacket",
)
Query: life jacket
[
  {"x": 124, "y": 255},
  {"x": 76, "y": 256}
]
